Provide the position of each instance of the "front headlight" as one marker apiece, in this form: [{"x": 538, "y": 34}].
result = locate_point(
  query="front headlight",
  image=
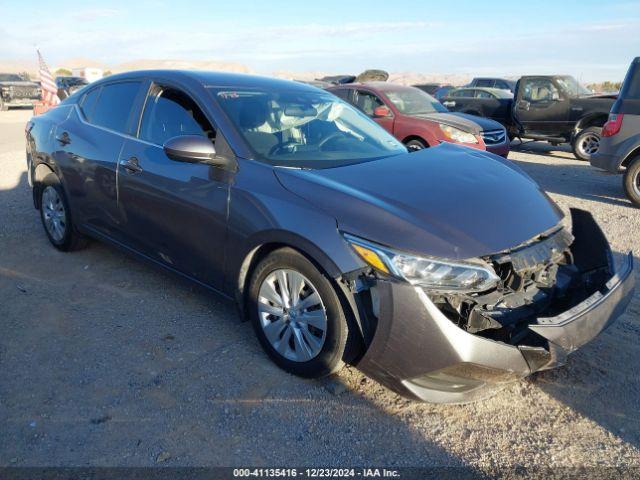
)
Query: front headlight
[
  {"x": 432, "y": 273},
  {"x": 457, "y": 135}
]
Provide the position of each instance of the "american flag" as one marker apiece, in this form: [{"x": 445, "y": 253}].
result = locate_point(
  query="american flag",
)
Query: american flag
[{"x": 48, "y": 86}]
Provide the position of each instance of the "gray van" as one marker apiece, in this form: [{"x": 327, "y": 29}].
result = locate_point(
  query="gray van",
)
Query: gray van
[{"x": 620, "y": 143}]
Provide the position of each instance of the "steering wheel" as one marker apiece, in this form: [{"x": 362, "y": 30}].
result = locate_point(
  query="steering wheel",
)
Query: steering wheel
[
  {"x": 282, "y": 147},
  {"x": 328, "y": 138}
]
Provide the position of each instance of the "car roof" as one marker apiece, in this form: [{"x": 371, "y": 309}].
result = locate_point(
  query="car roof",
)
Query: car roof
[
  {"x": 382, "y": 86},
  {"x": 213, "y": 78}
]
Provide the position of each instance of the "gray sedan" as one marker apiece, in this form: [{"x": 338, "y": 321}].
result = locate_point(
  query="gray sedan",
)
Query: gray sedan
[{"x": 442, "y": 274}]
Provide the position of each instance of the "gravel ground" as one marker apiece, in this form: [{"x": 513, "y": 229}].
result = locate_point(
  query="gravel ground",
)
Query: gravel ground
[{"x": 106, "y": 361}]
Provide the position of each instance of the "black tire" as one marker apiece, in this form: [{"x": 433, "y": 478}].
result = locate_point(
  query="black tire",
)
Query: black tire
[
  {"x": 333, "y": 353},
  {"x": 3, "y": 106},
  {"x": 71, "y": 240},
  {"x": 631, "y": 181},
  {"x": 416, "y": 144},
  {"x": 582, "y": 143}
]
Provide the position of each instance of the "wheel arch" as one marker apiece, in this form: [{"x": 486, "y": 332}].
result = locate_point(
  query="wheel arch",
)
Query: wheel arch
[
  {"x": 415, "y": 137},
  {"x": 317, "y": 257},
  {"x": 40, "y": 172},
  {"x": 631, "y": 156},
  {"x": 591, "y": 120}
]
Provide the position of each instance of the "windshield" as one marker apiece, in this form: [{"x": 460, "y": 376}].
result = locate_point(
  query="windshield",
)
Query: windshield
[
  {"x": 306, "y": 129},
  {"x": 10, "y": 77},
  {"x": 572, "y": 87},
  {"x": 413, "y": 101}
]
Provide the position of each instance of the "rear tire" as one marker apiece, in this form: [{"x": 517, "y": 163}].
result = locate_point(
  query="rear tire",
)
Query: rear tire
[
  {"x": 586, "y": 143},
  {"x": 56, "y": 216},
  {"x": 631, "y": 181},
  {"x": 304, "y": 332}
]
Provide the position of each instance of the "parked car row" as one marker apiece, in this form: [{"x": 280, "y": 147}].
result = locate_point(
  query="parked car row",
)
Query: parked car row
[
  {"x": 442, "y": 273},
  {"x": 420, "y": 121},
  {"x": 553, "y": 108}
]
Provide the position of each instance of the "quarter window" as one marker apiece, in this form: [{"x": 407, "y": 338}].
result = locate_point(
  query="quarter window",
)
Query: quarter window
[
  {"x": 89, "y": 101},
  {"x": 112, "y": 108},
  {"x": 170, "y": 113}
]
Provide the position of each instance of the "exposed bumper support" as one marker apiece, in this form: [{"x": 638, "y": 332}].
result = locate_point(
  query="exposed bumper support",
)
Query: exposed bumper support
[
  {"x": 418, "y": 352},
  {"x": 575, "y": 327}
]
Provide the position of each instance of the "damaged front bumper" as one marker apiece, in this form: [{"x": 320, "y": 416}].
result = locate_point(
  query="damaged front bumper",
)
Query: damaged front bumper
[{"x": 420, "y": 353}]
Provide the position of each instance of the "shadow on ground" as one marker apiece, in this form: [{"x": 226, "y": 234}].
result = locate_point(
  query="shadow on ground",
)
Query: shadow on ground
[{"x": 106, "y": 361}]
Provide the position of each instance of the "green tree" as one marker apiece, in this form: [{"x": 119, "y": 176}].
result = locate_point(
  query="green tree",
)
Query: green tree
[{"x": 63, "y": 72}]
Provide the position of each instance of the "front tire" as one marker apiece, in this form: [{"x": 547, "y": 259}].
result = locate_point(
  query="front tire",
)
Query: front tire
[
  {"x": 3, "y": 105},
  {"x": 586, "y": 143},
  {"x": 415, "y": 144},
  {"x": 297, "y": 315},
  {"x": 631, "y": 181},
  {"x": 56, "y": 217}
]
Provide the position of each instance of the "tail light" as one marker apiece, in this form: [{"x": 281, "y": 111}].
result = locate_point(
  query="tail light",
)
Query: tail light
[{"x": 613, "y": 125}]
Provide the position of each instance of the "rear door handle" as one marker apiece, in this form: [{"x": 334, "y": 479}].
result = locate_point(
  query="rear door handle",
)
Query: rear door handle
[
  {"x": 64, "y": 139},
  {"x": 449, "y": 104},
  {"x": 131, "y": 165},
  {"x": 523, "y": 104}
]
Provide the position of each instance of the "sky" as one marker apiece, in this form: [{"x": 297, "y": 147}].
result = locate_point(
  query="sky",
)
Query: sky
[{"x": 592, "y": 40}]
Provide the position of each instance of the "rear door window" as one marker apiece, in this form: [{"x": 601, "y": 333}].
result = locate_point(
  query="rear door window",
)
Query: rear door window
[
  {"x": 113, "y": 107},
  {"x": 483, "y": 94},
  {"x": 484, "y": 82}
]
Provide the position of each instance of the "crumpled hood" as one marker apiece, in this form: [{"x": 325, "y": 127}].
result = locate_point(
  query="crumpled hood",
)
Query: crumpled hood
[
  {"x": 463, "y": 121},
  {"x": 446, "y": 201}
]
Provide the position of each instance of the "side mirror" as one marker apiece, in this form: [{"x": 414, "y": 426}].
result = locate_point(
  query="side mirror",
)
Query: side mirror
[
  {"x": 194, "y": 149},
  {"x": 381, "y": 111}
]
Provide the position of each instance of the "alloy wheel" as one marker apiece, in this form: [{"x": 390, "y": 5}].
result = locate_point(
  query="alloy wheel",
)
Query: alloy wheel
[
  {"x": 53, "y": 213},
  {"x": 292, "y": 315},
  {"x": 589, "y": 144}
]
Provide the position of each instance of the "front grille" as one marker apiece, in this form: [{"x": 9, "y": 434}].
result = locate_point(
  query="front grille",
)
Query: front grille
[
  {"x": 25, "y": 92},
  {"x": 493, "y": 137}
]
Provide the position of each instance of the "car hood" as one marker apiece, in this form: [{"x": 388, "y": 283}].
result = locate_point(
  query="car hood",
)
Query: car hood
[
  {"x": 463, "y": 121},
  {"x": 446, "y": 201}
]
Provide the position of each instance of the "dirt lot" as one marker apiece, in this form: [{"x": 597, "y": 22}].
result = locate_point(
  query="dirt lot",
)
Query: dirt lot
[{"x": 107, "y": 361}]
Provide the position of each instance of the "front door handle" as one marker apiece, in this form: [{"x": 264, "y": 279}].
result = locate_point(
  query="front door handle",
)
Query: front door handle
[
  {"x": 131, "y": 165},
  {"x": 449, "y": 103},
  {"x": 523, "y": 104},
  {"x": 64, "y": 139}
]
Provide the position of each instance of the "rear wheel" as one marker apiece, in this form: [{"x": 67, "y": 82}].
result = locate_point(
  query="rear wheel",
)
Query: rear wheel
[
  {"x": 587, "y": 143},
  {"x": 297, "y": 315},
  {"x": 631, "y": 181},
  {"x": 56, "y": 218},
  {"x": 415, "y": 144}
]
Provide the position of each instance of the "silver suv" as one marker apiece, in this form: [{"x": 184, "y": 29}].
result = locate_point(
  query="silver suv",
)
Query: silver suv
[{"x": 620, "y": 144}]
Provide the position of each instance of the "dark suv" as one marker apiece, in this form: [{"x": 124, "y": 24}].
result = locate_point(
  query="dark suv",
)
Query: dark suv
[
  {"x": 620, "y": 144},
  {"x": 15, "y": 91}
]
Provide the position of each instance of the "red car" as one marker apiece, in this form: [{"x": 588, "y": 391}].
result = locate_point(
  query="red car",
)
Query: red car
[{"x": 419, "y": 120}]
